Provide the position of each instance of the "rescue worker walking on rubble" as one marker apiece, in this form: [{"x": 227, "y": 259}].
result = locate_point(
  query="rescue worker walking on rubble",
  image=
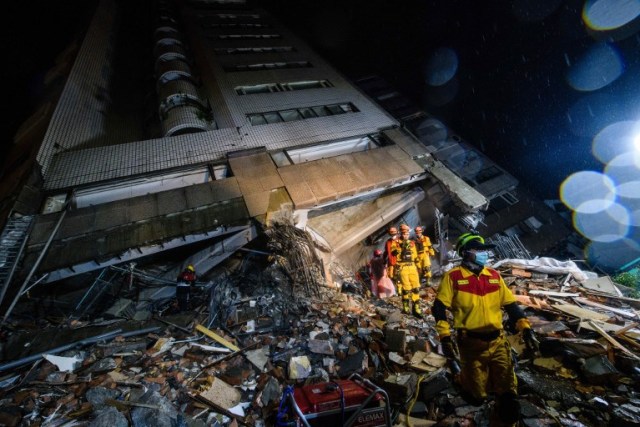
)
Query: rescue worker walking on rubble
[
  {"x": 377, "y": 270},
  {"x": 405, "y": 250},
  {"x": 425, "y": 252},
  {"x": 391, "y": 259},
  {"x": 475, "y": 294},
  {"x": 186, "y": 279}
]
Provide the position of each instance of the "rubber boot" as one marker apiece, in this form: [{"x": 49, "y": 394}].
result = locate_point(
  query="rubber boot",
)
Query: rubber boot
[
  {"x": 417, "y": 312},
  {"x": 405, "y": 307}
]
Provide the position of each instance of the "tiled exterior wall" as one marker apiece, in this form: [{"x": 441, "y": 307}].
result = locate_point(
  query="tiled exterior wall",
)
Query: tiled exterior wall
[{"x": 120, "y": 160}]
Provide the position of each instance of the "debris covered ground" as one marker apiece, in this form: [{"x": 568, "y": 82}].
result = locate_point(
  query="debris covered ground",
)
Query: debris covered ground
[{"x": 273, "y": 318}]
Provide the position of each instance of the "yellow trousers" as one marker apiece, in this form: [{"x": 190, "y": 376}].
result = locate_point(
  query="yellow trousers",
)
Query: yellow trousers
[
  {"x": 410, "y": 281},
  {"x": 424, "y": 264},
  {"x": 487, "y": 366}
]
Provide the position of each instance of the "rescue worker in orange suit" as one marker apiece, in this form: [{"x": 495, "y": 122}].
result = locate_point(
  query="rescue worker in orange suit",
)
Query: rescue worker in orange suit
[
  {"x": 425, "y": 252},
  {"x": 476, "y": 294},
  {"x": 186, "y": 279},
  {"x": 405, "y": 250},
  {"x": 391, "y": 259}
]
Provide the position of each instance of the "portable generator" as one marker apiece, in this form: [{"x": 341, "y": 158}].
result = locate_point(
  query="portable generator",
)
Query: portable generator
[{"x": 354, "y": 402}]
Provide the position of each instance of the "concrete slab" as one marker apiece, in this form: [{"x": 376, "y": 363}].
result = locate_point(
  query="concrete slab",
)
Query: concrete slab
[
  {"x": 257, "y": 203},
  {"x": 301, "y": 195}
]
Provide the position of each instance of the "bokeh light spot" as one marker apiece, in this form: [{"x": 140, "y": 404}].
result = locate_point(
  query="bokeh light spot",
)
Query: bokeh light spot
[
  {"x": 441, "y": 67},
  {"x": 602, "y": 15},
  {"x": 624, "y": 168},
  {"x": 587, "y": 192},
  {"x": 615, "y": 139},
  {"x": 600, "y": 66},
  {"x": 607, "y": 225}
]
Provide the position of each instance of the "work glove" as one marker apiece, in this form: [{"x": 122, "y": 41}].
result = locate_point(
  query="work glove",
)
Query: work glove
[
  {"x": 451, "y": 352},
  {"x": 449, "y": 348},
  {"x": 530, "y": 340}
]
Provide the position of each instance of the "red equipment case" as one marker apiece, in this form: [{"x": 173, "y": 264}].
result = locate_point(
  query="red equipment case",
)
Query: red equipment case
[{"x": 365, "y": 404}]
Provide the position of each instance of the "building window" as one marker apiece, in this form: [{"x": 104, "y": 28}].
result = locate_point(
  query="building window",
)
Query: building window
[
  {"x": 487, "y": 174},
  {"x": 295, "y": 114},
  {"x": 245, "y": 50},
  {"x": 245, "y": 36},
  {"x": 308, "y": 84},
  {"x": 235, "y": 15},
  {"x": 281, "y": 87},
  {"x": 264, "y": 88},
  {"x": 291, "y": 115},
  {"x": 234, "y": 25},
  {"x": 268, "y": 66}
]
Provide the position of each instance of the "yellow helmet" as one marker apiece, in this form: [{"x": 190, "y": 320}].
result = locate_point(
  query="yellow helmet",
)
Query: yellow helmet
[
  {"x": 190, "y": 268},
  {"x": 471, "y": 241},
  {"x": 404, "y": 228}
]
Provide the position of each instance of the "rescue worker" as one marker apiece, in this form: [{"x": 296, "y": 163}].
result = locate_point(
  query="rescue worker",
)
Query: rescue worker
[
  {"x": 377, "y": 270},
  {"x": 186, "y": 279},
  {"x": 391, "y": 259},
  {"x": 407, "y": 255},
  {"x": 476, "y": 294},
  {"x": 425, "y": 252}
]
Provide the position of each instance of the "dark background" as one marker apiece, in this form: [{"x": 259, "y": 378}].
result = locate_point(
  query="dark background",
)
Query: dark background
[
  {"x": 509, "y": 96},
  {"x": 512, "y": 99}
]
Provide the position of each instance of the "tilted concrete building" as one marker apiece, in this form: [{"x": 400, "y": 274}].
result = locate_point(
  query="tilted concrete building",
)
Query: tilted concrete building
[{"x": 200, "y": 124}]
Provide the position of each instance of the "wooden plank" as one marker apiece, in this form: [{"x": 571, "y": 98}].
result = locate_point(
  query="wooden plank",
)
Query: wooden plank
[
  {"x": 611, "y": 340},
  {"x": 216, "y": 337},
  {"x": 623, "y": 313}
]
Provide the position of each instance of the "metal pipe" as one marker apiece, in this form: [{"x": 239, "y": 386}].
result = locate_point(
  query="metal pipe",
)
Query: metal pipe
[
  {"x": 37, "y": 356},
  {"x": 86, "y": 341},
  {"x": 36, "y": 264}
]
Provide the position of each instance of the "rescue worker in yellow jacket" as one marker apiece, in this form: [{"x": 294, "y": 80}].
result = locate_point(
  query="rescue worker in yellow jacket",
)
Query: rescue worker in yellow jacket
[
  {"x": 476, "y": 294},
  {"x": 407, "y": 256},
  {"x": 425, "y": 252}
]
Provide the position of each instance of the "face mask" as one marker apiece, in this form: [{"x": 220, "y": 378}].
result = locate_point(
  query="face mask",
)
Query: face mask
[{"x": 481, "y": 258}]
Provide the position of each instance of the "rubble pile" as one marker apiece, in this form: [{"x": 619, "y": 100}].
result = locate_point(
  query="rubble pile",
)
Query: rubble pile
[{"x": 275, "y": 321}]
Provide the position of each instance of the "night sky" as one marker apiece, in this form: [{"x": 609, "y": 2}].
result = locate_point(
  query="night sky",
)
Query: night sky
[{"x": 510, "y": 95}]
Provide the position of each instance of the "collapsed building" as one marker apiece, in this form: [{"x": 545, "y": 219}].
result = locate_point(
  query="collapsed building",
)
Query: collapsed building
[
  {"x": 226, "y": 143},
  {"x": 222, "y": 123}
]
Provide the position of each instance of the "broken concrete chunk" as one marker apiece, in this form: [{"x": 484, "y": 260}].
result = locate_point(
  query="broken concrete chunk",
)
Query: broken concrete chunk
[
  {"x": 158, "y": 411},
  {"x": 221, "y": 394},
  {"x": 272, "y": 392},
  {"x": 434, "y": 384},
  {"x": 104, "y": 365},
  {"x": 356, "y": 363},
  {"x": 396, "y": 358},
  {"x": 98, "y": 396},
  {"x": 64, "y": 364},
  {"x": 321, "y": 347},
  {"x": 109, "y": 417},
  {"x": 400, "y": 387},
  {"x": 396, "y": 339},
  {"x": 299, "y": 367},
  {"x": 259, "y": 357},
  {"x": 547, "y": 364},
  {"x": 598, "y": 370}
]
